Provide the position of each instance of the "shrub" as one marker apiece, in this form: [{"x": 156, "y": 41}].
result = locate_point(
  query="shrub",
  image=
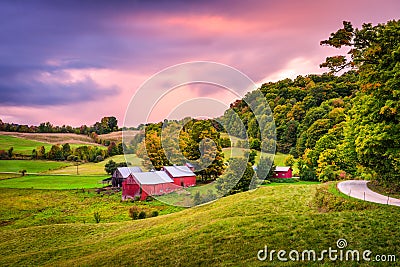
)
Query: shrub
[
  {"x": 134, "y": 212},
  {"x": 3, "y": 154},
  {"x": 197, "y": 198},
  {"x": 99, "y": 158},
  {"x": 97, "y": 217},
  {"x": 142, "y": 215},
  {"x": 154, "y": 213}
]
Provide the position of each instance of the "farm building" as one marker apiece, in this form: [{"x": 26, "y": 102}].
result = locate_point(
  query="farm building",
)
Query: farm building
[
  {"x": 122, "y": 173},
  {"x": 181, "y": 175},
  {"x": 136, "y": 183},
  {"x": 283, "y": 172},
  {"x": 143, "y": 184}
]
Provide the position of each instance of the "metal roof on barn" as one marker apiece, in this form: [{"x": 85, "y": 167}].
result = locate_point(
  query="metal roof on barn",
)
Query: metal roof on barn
[
  {"x": 179, "y": 171},
  {"x": 126, "y": 171},
  {"x": 158, "y": 177},
  {"x": 282, "y": 168}
]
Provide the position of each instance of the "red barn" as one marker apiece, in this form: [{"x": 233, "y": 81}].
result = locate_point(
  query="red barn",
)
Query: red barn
[
  {"x": 283, "y": 172},
  {"x": 182, "y": 175},
  {"x": 145, "y": 184}
]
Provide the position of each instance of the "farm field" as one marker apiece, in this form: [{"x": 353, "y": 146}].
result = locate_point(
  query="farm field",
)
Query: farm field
[
  {"x": 117, "y": 136},
  {"x": 91, "y": 168},
  {"x": 53, "y": 181},
  {"x": 31, "y": 166},
  {"x": 53, "y": 138},
  {"x": 226, "y": 232}
]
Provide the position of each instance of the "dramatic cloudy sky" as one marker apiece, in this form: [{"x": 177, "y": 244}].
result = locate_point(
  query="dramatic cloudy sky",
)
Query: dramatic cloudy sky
[{"x": 73, "y": 62}]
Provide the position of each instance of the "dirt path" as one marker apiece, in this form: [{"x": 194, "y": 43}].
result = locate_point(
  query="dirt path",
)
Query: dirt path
[{"x": 358, "y": 189}]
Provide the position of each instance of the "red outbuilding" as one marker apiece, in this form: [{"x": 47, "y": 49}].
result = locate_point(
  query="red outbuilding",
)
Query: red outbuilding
[
  {"x": 143, "y": 184},
  {"x": 283, "y": 172},
  {"x": 182, "y": 175}
]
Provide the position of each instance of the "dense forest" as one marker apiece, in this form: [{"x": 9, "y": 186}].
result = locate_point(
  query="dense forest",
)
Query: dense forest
[{"x": 344, "y": 123}]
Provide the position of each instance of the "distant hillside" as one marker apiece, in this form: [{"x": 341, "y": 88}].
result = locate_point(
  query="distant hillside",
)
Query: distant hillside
[
  {"x": 117, "y": 136},
  {"x": 53, "y": 138}
]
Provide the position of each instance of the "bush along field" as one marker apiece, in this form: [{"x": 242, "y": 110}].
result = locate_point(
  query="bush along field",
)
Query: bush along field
[{"x": 49, "y": 228}]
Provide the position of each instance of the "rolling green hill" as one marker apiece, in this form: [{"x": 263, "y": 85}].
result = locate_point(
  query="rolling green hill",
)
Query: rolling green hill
[
  {"x": 20, "y": 145},
  {"x": 24, "y": 143},
  {"x": 229, "y": 231}
]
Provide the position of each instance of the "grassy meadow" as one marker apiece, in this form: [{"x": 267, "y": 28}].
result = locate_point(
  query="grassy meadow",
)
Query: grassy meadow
[
  {"x": 21, "y": 146},
  {"x": 229, "y": 231},
  {"x": 53, "y": 181},
  {"x": 31, "y": 166},
  {"x": 29, "y": 207}
]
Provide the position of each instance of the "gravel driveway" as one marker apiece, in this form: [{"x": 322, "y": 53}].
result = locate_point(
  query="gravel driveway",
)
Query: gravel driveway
[{"x": 358, "y": 189}]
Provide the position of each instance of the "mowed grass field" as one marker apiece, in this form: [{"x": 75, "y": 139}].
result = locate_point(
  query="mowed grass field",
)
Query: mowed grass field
[
  {"x": 56, "y": 174},
  {"x": 228, "y": 232},
  {"x": 31, "y": 166},
  {"x": 53, "y": 181}
]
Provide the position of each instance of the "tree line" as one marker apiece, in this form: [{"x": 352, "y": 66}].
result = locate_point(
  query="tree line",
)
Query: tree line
[
  {"x": 343, "y": 123},
  {"x": 81, "y": 153},
  {"x": 104, "y": 126}
]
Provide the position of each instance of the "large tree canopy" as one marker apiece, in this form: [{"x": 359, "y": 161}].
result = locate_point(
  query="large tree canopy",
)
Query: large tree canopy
[{"x": 374, "y": 119}]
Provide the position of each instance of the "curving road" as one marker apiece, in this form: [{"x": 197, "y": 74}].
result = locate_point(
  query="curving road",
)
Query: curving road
[{"x": 358, "y": 189}]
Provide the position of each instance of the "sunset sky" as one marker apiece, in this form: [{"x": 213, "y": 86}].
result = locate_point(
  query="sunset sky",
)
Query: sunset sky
[{"x": 73, "y": 62}]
